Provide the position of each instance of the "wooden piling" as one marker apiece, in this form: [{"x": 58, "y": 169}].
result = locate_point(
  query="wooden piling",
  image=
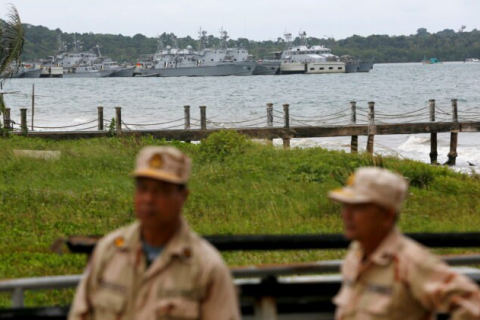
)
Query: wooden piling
[
  {"x": 187, "y": 117},
  {"x": 371, "y": 122},
  {"x": 452, "y": 155},
  {"x": 286, "y": 124},
  {"x": 353, "y": 120},
  {"x": 33, "y": 104},
  {"x": 7, "y": 123},
  {"x": 286, "y": 116},
  {"x": 118, "y": 120},
  {"x": 269, "y": 120},
  {"x": 269, "y": 114},
  {"x": 433, "y": 135},
  {"x": 23, "y": 121},
  {"x": 203, "y": 117},
  {"x": 100, "y": 118}
]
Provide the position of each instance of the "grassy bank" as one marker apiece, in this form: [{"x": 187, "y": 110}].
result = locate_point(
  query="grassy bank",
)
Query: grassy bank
[{"x": 237, "y": 187}]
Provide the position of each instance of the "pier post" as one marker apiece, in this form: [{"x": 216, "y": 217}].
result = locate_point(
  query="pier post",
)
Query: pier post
[
  {"x": 6, "y": 119},
  {"x": 286, "y": 125},
  {"x": 269, "y": 119},
  {"x": 286, "y": 116},
  {"x": 187, "y": 117},
  {"x": 23, "y": 121},
  {"x": 353, "y": 120},
  {"x": 100, "y": 118},
  {"x": 433, "y": 135},
  {"x": 371, "y": 123},
  {"x": 33, "y": 103},
  {"x": 203, "y": 117},
  {"x": 269, "y": 114},
  {"x": 452, "y": 155},
  {"x": 118, "y": 120}
]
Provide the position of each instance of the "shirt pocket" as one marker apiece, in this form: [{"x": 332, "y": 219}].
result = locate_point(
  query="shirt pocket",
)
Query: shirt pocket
[
  {"x": 178, "y": 308},
  {"x": 108, "y": 304},
  {"x": 376, "y": 301}
]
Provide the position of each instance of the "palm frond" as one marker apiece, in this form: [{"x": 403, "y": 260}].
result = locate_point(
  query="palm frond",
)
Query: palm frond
[{"x": 12, "y": 37}]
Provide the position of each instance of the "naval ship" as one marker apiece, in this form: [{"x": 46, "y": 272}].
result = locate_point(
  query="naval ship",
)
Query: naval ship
[
  {"x": 308, "y": 59},
  {"x": 174, "y": 62}
]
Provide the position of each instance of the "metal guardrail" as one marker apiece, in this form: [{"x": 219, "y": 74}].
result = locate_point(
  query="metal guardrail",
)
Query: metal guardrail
[
  {"x": 18, "y": 286},
  {"x": 85, "y": 244}
]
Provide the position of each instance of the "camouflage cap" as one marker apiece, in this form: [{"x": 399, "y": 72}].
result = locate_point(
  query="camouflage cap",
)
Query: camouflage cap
[
  {"x": 373, "y": 185},
  {"x": 163, "y": 163}
]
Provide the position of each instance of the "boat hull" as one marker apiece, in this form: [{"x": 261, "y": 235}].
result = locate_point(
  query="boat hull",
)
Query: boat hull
[
  {"x": 267, "y": 68},
  {"x": 124, "y": 72},
  {"x": 365, "y": 66},
  {"x": 98, "y": 74},
  {"x": 312, "y": 67},
  {"x": 227, "y": 69},
  {"x": 32, "y": 73},
  {"x": 325, "y": 67}
]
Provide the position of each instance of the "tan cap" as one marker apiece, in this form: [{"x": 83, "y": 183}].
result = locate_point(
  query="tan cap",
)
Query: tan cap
[
  {"x": 163, "y": 163},
  {"x": 373, "y": 185}
]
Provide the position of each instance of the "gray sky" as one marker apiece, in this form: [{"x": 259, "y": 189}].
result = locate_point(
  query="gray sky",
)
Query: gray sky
[{"x": 257, "y": 20}]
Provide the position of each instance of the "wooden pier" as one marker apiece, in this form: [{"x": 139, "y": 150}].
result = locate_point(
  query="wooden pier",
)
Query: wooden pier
[{"x": 280, "y": 125}]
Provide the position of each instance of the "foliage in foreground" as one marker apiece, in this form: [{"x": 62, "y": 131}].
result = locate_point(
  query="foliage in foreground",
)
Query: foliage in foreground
[{"x": 237, "y": 187}]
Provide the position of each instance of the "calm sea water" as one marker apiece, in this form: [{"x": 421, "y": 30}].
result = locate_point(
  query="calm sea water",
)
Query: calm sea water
[{"x": 397, "y": 89}]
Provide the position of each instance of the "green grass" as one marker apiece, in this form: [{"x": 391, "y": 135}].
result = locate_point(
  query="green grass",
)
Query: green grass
[{"x": 237, "y": 187}]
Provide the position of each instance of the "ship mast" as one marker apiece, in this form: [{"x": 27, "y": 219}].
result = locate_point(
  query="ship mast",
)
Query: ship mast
[{"x": 202, "y": 39}]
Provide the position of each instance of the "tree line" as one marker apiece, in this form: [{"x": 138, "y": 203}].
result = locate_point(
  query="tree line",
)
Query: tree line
[{"x": 446, "y": 45}]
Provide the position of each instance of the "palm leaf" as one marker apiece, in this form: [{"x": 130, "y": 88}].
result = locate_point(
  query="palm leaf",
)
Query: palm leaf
[{"x": 11, "y": 46}]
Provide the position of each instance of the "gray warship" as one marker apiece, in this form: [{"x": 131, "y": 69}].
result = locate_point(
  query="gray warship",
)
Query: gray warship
[
  {"x": 174, "y": 62},
  {"x": 81, "y": 64}
]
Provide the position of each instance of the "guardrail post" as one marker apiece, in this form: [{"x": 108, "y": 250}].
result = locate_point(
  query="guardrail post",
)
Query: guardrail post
[
  {"x": 433, "y": 135},
  {"x": 452, "y": 155},
  {"x": 286, "y": 125},
  {"x": 187, "y": 117},
  {"x": 266, "y": 308},
  {"x": 353, "y": 120},
  {"x": 371, "y": 122},
  {"x": 17, "y": 298},
  {"x": 118, "y": 120},
  {"x": 100, "y": 118},
  {"x": 203, "y": 117},
  {"x": 6, "y": 119},
  {"x": 23, "y": 118}
]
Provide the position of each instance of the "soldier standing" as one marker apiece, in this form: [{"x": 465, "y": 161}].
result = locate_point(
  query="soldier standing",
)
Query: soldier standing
[
  {"x": 385, "y": 274},
  {"x": 156, "y": 268}
]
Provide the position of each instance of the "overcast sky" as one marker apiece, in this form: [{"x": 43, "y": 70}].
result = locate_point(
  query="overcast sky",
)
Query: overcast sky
[{"x": 254, "y": 19}]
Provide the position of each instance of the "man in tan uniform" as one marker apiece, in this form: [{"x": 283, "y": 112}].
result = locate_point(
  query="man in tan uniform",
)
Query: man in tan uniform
[
  {"x": 156, "y": 268},
  {"x": 385, "y": 274}
]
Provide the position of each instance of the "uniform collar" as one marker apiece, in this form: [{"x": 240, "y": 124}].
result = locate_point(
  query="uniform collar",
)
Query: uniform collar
[
  {"x": 385, "y": 252},
  {"x": 179, "y": 244}
]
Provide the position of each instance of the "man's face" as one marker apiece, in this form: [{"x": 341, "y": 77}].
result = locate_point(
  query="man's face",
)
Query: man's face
[
  {"x": 158, "y": 204},
  {"x": 364, "y": 221}
]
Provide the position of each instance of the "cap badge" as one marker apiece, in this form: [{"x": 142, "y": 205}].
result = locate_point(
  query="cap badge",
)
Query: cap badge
[
  {"x": 156, "y": 162},
  {"x": 351, "y": 179}
]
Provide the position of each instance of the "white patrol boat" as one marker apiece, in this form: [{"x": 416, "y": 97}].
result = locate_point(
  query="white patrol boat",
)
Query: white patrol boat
[{"x": 308, "y": 59}]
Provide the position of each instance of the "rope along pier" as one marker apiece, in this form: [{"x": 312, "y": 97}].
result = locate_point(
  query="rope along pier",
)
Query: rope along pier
[{"x": 277, "y": 123}]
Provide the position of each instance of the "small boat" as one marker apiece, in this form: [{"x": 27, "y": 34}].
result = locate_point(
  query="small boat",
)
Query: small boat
[
  {"x": 430, "y": 61},
  {"x": 471, "y": 60}
]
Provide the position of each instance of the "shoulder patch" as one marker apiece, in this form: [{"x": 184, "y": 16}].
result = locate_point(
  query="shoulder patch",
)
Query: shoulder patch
[{"x": 119, "y": 242}]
